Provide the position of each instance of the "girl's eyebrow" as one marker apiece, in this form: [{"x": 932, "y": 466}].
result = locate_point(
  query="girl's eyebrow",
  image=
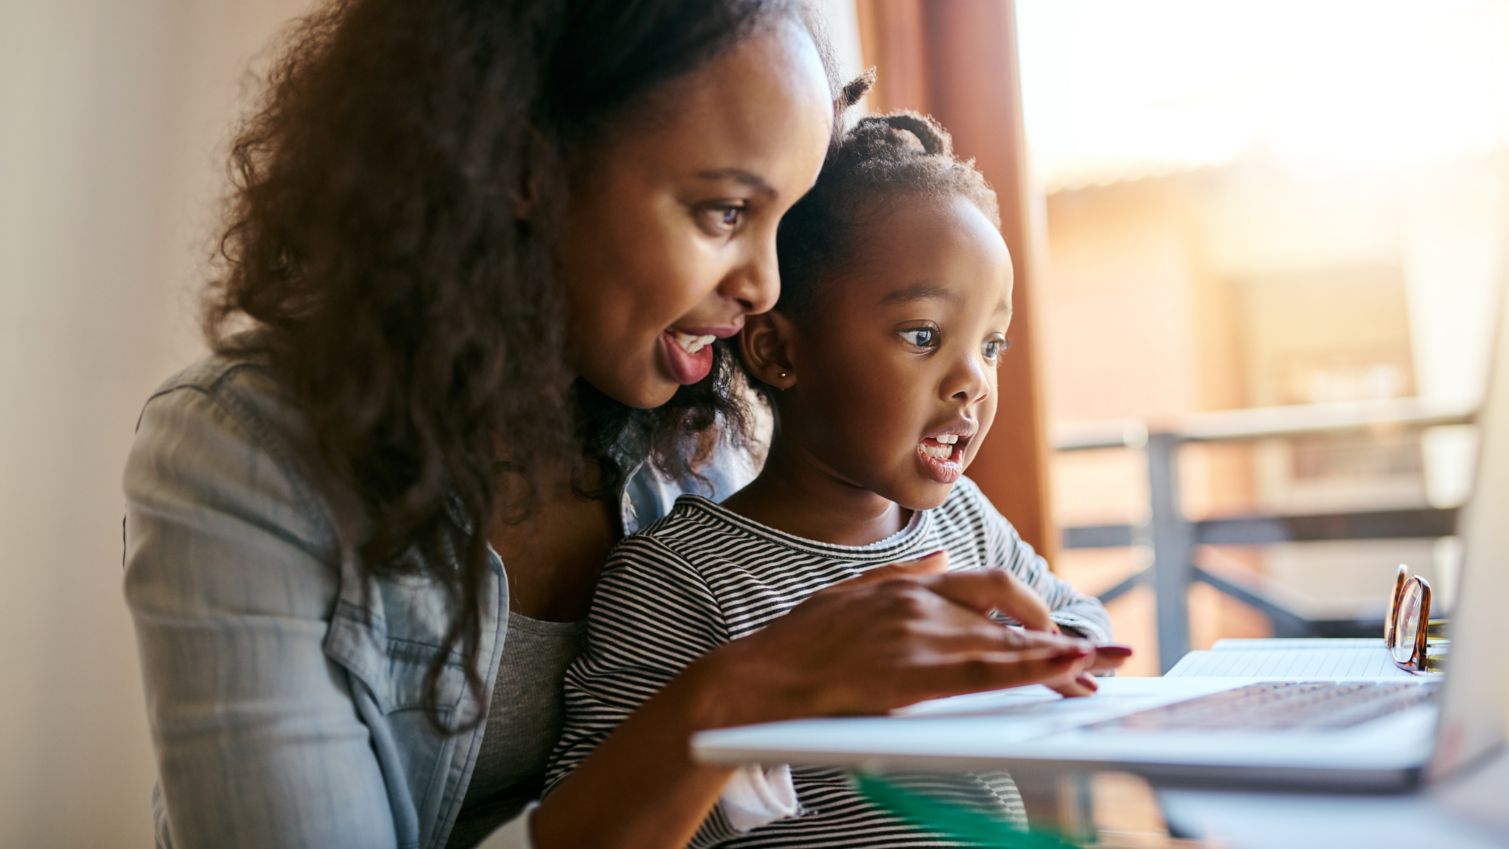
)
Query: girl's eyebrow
[
  {"x": 921, "y": 292},
  {"x": 748, "y": 178}
]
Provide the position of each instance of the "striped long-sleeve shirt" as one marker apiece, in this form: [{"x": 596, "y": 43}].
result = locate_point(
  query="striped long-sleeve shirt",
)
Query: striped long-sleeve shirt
[{"x": 704, "y": 576}]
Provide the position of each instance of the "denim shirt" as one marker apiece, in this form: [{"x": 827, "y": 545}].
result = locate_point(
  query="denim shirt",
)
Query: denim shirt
[{"x": 285, "y": 689}]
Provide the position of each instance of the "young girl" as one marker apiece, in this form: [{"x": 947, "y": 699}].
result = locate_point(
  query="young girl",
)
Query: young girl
[{"x": 879, "y": 362}]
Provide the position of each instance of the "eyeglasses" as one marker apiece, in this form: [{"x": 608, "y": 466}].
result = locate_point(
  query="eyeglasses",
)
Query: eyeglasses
[{"x": 1407, "y": 626}]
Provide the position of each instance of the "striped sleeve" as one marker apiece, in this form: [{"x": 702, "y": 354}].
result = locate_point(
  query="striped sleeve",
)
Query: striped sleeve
[
  {"x": 1006, "y": 549},
  {"x": 652, "y": 615}
]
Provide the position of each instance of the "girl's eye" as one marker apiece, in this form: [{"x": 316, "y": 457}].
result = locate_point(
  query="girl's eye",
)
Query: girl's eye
[
  {"x": 993, "y": 347},
  {"x": 922, "y": 337}
]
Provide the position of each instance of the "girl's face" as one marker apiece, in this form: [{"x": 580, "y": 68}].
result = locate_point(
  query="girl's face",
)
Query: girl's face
[
  {"x": 670, "y": 231},
  {"x": 895, "y": 370}
]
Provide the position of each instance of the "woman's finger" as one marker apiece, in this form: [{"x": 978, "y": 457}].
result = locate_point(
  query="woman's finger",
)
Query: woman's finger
[
  {"x": 979, "y": 671},
  {"x": 935, "y": 563},
  {"x": 992, "y": 590},
  {"x": 973, "y": 633},
  {"x": 1081, "y": 685},
  {"x": 1109, "y": 656}
]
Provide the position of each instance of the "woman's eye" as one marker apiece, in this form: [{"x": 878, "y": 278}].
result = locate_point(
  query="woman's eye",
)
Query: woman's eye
[
  {"x": 723, "y": 218},
  {"x": 922, "y": 337},
  {"x": 993, "y": 347}
]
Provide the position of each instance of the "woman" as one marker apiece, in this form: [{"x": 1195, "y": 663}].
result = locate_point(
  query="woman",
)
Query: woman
[{"x": 478, "y": 254}]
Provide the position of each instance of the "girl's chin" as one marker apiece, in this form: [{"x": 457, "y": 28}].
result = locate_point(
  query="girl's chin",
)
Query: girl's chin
[{"x": 926, "y": 496}]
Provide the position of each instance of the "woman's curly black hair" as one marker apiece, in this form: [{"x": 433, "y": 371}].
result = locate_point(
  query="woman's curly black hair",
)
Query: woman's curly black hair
[
  {"x": 377, "y": 246},
  {"x": 874, "y": 161}
]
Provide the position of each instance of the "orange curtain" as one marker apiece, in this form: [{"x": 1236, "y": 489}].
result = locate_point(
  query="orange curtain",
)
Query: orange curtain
[{"x": 957, "y": 60}]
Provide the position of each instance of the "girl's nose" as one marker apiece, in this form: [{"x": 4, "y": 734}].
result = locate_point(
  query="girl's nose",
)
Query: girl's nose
[{"x": 970, "y": 380}]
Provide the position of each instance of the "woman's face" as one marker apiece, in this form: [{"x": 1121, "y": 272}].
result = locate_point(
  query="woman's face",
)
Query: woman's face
[{"x": 670, "y": 231}]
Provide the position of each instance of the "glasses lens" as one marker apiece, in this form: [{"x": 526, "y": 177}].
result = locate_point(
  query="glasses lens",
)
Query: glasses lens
[
  {"x": 1392, "y": 611},
  {"x": 1407, "y": 622}
]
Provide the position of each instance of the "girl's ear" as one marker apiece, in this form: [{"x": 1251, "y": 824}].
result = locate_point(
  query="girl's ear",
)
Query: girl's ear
[{"x": 766, "y": 346}]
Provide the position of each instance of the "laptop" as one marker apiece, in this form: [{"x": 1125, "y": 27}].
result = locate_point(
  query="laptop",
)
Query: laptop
[{"x": 1414, "y": 730}]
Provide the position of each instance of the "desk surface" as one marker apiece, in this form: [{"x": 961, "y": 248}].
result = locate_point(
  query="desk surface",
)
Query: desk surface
[
  {"x": 1111, "y": 811},
  {"x": 1467, "y": 813}
]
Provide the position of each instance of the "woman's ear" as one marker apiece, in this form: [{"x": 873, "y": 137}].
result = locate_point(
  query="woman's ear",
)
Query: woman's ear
[
  {"x": 539, "y": 157},
  {"x": 766, "y": 346}
]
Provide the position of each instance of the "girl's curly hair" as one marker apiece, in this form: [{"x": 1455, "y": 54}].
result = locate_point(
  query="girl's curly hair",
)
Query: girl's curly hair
[{"x": 375, "y": 243}]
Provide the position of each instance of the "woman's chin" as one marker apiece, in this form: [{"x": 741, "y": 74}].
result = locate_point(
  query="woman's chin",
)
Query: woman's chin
[
  {"x": 643, "y": 388},
  {"x": 641, "y": 395}
]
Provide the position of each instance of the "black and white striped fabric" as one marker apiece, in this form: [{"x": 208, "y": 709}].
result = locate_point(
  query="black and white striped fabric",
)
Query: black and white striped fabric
[{"x": 703, "y": 576}]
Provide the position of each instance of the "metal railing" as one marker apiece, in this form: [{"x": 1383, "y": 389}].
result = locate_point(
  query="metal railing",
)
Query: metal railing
[{"x": 1173, "y": 537}]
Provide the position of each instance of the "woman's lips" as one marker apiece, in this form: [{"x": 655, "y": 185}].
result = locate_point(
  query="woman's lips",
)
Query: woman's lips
[{"x": 685, "y": 367}]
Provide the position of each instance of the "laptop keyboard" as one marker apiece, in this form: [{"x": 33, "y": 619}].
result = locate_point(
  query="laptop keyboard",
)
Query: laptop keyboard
[{"x": 1281, "y": 705}]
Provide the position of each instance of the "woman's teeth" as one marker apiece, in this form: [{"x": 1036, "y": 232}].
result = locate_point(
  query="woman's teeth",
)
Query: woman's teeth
[{"x": 691, "y": 344}]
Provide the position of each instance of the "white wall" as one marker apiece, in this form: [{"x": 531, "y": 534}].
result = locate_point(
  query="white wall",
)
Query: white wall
[
  {"x": 115, "y": 115},
  {"x": 842, "y": 20}
]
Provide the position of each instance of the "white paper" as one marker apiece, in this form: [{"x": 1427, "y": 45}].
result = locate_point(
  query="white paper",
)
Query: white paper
[{"x": 1250, "y": 644}]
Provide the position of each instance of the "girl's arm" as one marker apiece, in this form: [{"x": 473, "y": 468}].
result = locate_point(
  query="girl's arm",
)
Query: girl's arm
[
  {"x": 653, "y": 615},
  {"x": 1069, "y": 608},
  {"x": 1066, "y": 606}
]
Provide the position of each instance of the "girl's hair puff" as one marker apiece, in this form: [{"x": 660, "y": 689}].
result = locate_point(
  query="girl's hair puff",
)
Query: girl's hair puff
[{"x": 880, "y": 157}]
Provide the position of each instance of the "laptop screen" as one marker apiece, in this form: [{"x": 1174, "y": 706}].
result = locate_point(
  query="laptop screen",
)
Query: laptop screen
[{"x": 1475, "y": 705}]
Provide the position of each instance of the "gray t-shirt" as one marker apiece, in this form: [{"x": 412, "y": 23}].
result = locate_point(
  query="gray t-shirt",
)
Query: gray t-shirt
[{"x": 523, "y": 723}]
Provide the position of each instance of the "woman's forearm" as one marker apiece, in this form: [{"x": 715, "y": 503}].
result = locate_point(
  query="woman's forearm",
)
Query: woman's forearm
[{"x": 640, "y": 788}]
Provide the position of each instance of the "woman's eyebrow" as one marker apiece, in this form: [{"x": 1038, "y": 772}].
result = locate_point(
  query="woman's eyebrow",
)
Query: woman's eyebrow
[{"x": 748, "y": 178}]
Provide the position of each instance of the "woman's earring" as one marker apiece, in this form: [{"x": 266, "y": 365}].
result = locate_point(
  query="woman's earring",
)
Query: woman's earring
[{"x": 783, "y": 375}]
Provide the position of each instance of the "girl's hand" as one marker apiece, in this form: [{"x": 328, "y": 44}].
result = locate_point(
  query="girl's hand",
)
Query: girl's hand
[{"x": 892, "y": 637}]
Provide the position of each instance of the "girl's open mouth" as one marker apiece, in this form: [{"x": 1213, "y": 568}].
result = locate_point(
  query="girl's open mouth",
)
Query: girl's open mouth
[{"x": 942, "y": 456}]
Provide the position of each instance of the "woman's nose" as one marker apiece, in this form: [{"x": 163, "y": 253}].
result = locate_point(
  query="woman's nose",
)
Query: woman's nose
[{"x": 756, "y": 283}]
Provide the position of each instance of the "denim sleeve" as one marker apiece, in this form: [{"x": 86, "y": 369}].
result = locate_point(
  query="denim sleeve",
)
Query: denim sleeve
[{"x": 231, "y": 580}]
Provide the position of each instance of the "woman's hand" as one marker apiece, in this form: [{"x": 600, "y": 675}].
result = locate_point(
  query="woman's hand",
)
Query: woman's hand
[
  {"x": 892, "y": 637},
  {"x": 1018, "y": 601},
  {"x": 999, "y": 591}
]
